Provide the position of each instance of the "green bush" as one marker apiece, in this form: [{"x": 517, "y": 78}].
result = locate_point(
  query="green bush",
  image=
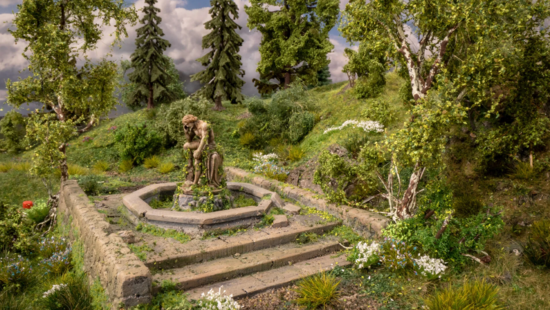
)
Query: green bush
[
  {"x": 16, "y": 230},
  {"x": 462, "y": 235},
  {"x": 471, "y": 295},
  {"x": 537, "y": 248},
  {"x": 12, "y": 127},
  {"x": 125, "y": 166},
  {"x": 373, "y": 85},
  {"x": 295, "y": 153},
  {"x": 378, "y": 110},
  {"x": 151, "y": 162},
  {"x": 168, "y": 119},
  {"x": 90, "y": 184},
  {"x": 73, "y": 293},
  {"x": 101, "y": 166},
  {"x": 300, "y": 124},
  {"x": 318, "y": 290},
  {"x": 166, "y": 168},
  {"x": 39, "y": 211},
  {"x": 287, "y": 116},
  {"x": 137, "y": 142}
]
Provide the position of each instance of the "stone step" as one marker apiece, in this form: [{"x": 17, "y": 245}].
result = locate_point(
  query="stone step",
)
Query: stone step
[
  {"x": 230, "y": 267},
  {"x": 176, "y": 255},
  {"x": 272, "y": 279}
]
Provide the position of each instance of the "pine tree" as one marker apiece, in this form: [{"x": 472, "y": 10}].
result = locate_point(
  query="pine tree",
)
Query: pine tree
[
  {"x": 323, "y": 76},
  {"x": 223, "y": 63},
  {"x": 294, "y": 38},
  {"x": 150, "y": 67}
]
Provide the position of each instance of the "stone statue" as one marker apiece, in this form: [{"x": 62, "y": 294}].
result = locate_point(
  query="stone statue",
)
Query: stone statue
[{"x": 203, "y": 146}]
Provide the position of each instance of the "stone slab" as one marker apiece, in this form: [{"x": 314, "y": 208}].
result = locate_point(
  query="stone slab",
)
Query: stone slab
[
  {"x": 279, "y": 221},
  {"x": 292, "y": 209}
]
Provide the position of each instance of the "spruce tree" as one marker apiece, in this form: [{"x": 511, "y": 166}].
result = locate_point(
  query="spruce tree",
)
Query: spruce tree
[
  {"x": 323, "y": 76},
  {"x": 150, "y": 67},
  {"x": 223, "y": 63},
  {"x": 295, "y": 40}
]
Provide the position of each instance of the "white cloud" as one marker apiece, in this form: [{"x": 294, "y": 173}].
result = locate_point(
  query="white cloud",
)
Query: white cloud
[{"x": 5, "y": 3}]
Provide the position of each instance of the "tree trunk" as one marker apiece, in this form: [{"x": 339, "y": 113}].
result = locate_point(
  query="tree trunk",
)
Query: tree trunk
[
  {"x": 531, "y": 159},
  {"x": 150, "y": 99},
  {"x": 287, "y": 79},
  {"x": 218, "y": 106},
  {"x": 63, "y": 164},
  {"x": 407, "y": 206}
]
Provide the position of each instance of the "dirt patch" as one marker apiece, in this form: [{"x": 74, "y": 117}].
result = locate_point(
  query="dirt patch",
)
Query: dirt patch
[{"x": 285, "y": 298}]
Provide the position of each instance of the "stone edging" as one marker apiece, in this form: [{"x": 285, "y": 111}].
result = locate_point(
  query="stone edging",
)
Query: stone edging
[
  {"x": 363, "y": 222},
  {"x": 123, "y": 276},
  {"x": 140, "y": 210}
]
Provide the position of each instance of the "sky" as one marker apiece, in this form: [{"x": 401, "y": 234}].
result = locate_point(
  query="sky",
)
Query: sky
[{"x": 183, "y": 25}]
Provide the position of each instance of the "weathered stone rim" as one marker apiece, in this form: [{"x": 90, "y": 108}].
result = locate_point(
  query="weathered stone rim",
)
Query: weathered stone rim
[{"x": 135, "y": 203}]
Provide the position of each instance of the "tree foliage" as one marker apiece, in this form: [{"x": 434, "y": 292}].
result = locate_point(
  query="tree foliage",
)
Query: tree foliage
[
  {"x": 127, "y": 88},
  {"x": 150, "y": 76},
  {"x": 12, "y": 127},
  {"x": 294, "y": 39},
  {"x": 223, "y": 62},
  {"x": 57, "y": 34}
]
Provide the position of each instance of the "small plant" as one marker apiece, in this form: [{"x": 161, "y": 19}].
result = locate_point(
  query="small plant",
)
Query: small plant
[
  {"x": 101, "y": 166},
  {"x": 87, "y": 139},
  {"x": 16, "y": 230},
  {"x": 318, "y": 290},
  {"x": 471, "y": 295},
  {"x": 217, "y": 301},
  {"x": 265, "y": 164},
  {"x": 58, "y": 263},
  {"x": 39, "y": 212},
  {"x": 378, "y": 110},
  {"x": 77, "y": 170},
  {"x": 295, "y": 153},
  {"x": 90, "y": 184},
  {"x": 73, "y": 293},
  {"x": 137, "y": 142},
  {"x": 166, "y": 168},
  {"x": 365, "y": 255},
  {"x": 22, "y": 166},
  {"x": 49, "y": 246},
  {"x": 126, "y": 165},
  {"x": 267, "y": 220},
  {"x": 151, "y": 162},
  {"x": 537, "y": 248},
  {"x": 243, "y": 201},
  {"x": 140, "y": 250},
  {"x": 166, "y": 233},
  {"x": 5, "y": 167},
  {"x": 524, "y": 171},
  {"x": 247, "y": 139},
  {"x": 304, "y": 238},
  {"x": 16, "y": 271}
]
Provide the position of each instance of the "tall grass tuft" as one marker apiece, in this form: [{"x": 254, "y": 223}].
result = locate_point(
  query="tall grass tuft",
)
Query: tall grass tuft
[
  {"x": 125, "y": 166},
  {"x": 77, "y": 170},
  {"x": 71, "y": 293},
  {"x": 151, "y": 162},
  {"x": 5, "y": 167},
  {"x": 537, "y": 248},
  {"x": 101, "y": 166},
  {"x": 166, "y": 168},
  {"x": 523, "y": 171},
  {"x": 318, "y": 290},
  {"x": 295, "y": 153},
  {"x": 22, "y": 166},
  {"x": 471, "y": 295}
]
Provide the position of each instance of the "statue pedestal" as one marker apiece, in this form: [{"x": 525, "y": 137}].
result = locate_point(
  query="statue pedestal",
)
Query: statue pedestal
[{"x": 186, "y": 200}]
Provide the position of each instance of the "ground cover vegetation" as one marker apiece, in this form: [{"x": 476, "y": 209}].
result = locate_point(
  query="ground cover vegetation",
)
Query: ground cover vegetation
[{"x": 448, "y": 139}]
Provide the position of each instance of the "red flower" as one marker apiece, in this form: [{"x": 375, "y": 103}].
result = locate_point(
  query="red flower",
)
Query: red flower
[{"x": 27, "y": 204}]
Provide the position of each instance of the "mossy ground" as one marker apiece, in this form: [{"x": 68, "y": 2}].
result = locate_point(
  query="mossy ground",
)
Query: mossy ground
[{"x": 523, "y": 196}]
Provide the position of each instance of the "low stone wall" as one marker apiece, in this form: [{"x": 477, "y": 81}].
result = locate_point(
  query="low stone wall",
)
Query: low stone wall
[
  {"x": 363, "y": 222},
  {"x": 124, "y": 277}
]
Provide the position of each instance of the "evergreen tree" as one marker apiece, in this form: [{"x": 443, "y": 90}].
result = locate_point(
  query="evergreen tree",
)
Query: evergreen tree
[
  {"x": 150, "y": 66},
  {"x": 294, "y": 38},
  {"x": 223, "y": 63},
  {"x": 323, "y": 76}
]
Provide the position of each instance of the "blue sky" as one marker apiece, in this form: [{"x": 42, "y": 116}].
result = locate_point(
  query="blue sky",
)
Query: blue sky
[{"x": 183, "y": 26}]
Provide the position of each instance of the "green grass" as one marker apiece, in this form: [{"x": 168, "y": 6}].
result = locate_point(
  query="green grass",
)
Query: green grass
[
  {"x": 165, "y": 233},
  {"x": 243, "y": 201},
  {"x": 318, "y": 290},
  {"x": 140, "y": 250}
]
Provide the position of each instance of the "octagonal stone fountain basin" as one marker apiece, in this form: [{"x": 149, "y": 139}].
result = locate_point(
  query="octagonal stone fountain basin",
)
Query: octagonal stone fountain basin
[{"x": 197, "y": 222}]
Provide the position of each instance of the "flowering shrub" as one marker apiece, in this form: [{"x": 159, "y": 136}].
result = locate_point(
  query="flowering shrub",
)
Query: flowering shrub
[
  {"x": 431, "y": 267},
  {"x": 265, "y": 164},
  {"x": 396, "y": 255},
  {"x": 27, "y": 204},
  {"x": 49, "y": 246},
  {"x": 55, "y": 287},
  {"x": 367, "y": 126},
  {"x": 39, "y": 212},
  {"x": 112, "y": 128},
  {"x": 16, "y": 230},
  {"x": 58, "y": 263},
  {"x": 217, "y": 301},
  {"x": 87, "y": 139},
  {"x": 15, "y": 270}
]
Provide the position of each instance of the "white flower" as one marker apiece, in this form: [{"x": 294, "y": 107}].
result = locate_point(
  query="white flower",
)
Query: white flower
[
  {"x": 217, "y": 301},
  {"x": 431, "y": 266},
  {"x": 366, "y": 252},
  {"x": 54, "y": 288},
  {"x": 365, "y": 125}
]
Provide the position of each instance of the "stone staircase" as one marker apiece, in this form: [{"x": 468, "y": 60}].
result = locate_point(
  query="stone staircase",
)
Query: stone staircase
[{"x": 248, "y": 263}]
